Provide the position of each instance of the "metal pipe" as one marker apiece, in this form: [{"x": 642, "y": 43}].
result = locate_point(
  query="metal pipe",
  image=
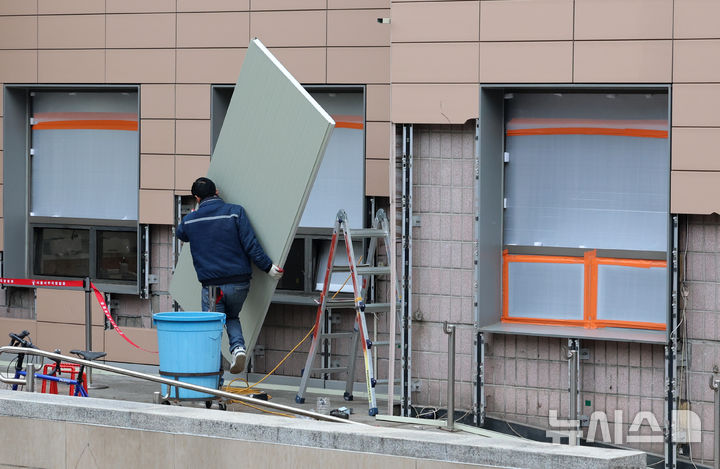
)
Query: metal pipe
[
  {"x": 30, "y": 377},
  {"x": 88, "y": 324},
  {"x": 169, "y": 382},
  {"x": 573, "y": 364},
  {"x": 450, "y": 330},
  {"x": 715, "y": 386}
]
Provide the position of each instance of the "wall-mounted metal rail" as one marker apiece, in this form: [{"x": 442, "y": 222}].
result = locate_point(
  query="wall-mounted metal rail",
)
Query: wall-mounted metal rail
[{"x": 157, "y": 379}]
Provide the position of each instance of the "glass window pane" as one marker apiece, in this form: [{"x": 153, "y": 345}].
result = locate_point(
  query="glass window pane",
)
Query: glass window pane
[
  {"x": 632, "y": 293},
  {"x": 62, "y": 252},
  {"x": 548, "y": 291},
  {"x": 294, "y": 276},
  {"x": 117, "y": 255}
]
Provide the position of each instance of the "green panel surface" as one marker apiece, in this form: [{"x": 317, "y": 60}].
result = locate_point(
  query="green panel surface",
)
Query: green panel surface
[{"x": 266, "y": 158}]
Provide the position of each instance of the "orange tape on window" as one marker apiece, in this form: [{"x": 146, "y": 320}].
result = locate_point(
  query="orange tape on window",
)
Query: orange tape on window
[
  {"x": 646, "y": 133},
  {"x": 87, "y": 125}
]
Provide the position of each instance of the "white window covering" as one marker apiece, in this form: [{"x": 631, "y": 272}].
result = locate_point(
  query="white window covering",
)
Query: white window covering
[
  {"x": 632, "y": 293},
  {"x": 545, "y": 290}
]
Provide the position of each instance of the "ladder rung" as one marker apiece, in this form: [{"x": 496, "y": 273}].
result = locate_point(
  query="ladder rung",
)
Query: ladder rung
[
  {"x": 384, "y": 381},
  {"x": 368, "y": 233},
  {"x": 330, "y": 303},
  {"x": 337, "y": 369},
  {"x": 336, "y": 335},
  {"x": 375, "y": 270},
  {"x": 350, "y": 304}
]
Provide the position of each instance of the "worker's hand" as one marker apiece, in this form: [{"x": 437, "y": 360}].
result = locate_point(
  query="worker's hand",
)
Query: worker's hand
[{"x": 275, "y": 272}]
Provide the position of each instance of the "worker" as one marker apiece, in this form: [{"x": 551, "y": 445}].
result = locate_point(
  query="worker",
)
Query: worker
[{"x": 222, "y": 244}]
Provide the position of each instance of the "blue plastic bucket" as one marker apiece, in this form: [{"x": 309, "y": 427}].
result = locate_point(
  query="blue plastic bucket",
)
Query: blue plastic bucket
[{"x": 188, "y": 345}]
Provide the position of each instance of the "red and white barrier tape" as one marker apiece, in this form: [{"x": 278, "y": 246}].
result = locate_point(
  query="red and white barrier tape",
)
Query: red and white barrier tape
[{"x": 23, "y": 282}]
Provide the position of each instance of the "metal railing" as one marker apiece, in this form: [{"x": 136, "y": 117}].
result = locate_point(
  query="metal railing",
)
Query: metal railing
[{"x": 29, "y": 382}]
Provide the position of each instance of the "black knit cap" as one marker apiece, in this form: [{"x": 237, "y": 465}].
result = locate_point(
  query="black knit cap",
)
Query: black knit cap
[{"x": 203, "y": 187}]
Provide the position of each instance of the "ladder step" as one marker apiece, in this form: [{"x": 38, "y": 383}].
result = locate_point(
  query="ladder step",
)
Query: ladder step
[
  {"x": 350, "y": 304},
  {"x": 337, "y": 369},
  {"x": 336, "y": 335},
  {"x": 375, "y": 270},
  {"x": 368, "y": 233}
]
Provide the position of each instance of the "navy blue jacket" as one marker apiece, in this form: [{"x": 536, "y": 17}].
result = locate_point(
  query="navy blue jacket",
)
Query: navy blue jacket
[{"x": 222, "y": 243}]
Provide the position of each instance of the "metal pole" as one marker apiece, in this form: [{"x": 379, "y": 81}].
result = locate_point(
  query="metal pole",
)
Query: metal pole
[
  {"x": 88, "y": 332},
  {"x": 450, "y": 330},
  {"x": 715, "y": 386},
  {"x": 573, "y": 365},
  {"x": 30, "y": 377}
]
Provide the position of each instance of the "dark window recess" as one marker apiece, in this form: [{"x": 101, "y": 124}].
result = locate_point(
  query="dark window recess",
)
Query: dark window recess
[
  {"x": 294, "y": 276},
  {"x": 117, "y": 255},
  {"x": 62, "y": 252}
]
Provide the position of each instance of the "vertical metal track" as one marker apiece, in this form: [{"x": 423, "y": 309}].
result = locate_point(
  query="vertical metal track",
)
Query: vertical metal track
[
  {"x": 145, "y": 292},
  {"x": 671, "y": 356},
  {"x": 406, "y": 280},
  {"x": 478, "y": 396}
]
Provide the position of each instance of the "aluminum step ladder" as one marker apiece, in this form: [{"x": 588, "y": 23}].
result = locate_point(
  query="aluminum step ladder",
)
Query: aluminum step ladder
[{"x": 359, "y": 333}]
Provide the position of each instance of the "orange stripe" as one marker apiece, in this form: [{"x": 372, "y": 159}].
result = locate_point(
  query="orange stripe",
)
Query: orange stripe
[
  {"x": 88, "y": 124},
  {"x": 639, "y": 263},
  {"x": 347, "y": 117},
  {"x": 70, "y": 116},
  {"x": 647, "y": 133},
  {"x": 656, "y": 326},
  {"x": 348, "y": 125},
  {"x": 632, "y": 123},
  {"x": 546, "y": 322},
  {"x": 505, "y": 287},
  {"x": 529, "y": 258}
]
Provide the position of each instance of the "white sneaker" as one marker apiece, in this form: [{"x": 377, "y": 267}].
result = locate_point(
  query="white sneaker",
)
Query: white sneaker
[{"x": 238, "y": 362}]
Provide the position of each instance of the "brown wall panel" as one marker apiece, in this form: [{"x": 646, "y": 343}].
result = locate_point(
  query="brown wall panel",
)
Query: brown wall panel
[
  {"x": 696, "y": 105},
  {"x": 696, "y": 149},
  {"x": 188, "y": 168},
  {"x": 209, "y": 65},
  {"x": 66, "y": 306},
  {"x": 695, "y": 192},
  {"x": 2, "y": 234},
  {"x": 157, "y": 101},
  {"x": 358, "y": 65},
  {"x": 435, "y": 21},
  {"x": 157, "y": 207},
  {"x": 16, "y": 326},
  {"x": 157, "y": 136},
  {"x": 192, "y": 101},
  {"x": 18, "y": 32},
  {"x": 357, "y": 28},
  {"x": 213, "y": 5},
  {"x": 140, "y": 65},
  {"x": 358, "y": 4},
  {"x": 192, "y": 137},
  {"x": 71, "y": 32},
  {"x": 18, "y": 66},
  {"x": 623, "y": 19},
  {"x": 623, "y": 61},
  {"x": 431, "y": 103},
  {"x": 157, "y": 171},
  {"x": 1, "y": 134},
  {"x": 526, "y": 62},
  {"x": 377, "y": 178},
  {"x": 140, "y": 6},
  {"x": 69, "y": 7},
  {"x": 377, "y": 102},
  {"x": 1, "y": 103},
  {"x": 66, "y": 337},
  {"x": 119, "y": 350},
  {"x": 306, "y": 64},
  {"x": 693, "y": 61},
  {"x": 526, "y": 20},
  {"x": 71, "y": 66},
  {"x": 284, "y": 28},
  {"x": 18, "y": 7},
  {"x": 697, "y": 19},
  {"x": 213, "y": 29},
  {"x": 147, "y": 31},
  {"x": 435, "y": 63},
  {"x": 287, "y": 4},
  {"x": 377, "y": 140}
]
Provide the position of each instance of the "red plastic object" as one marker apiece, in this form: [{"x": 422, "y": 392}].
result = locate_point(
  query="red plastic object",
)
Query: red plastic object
[{"x": 65, "y": 368}]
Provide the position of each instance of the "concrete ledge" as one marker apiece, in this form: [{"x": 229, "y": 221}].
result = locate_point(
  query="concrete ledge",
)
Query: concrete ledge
[{"x": 391, "y": 442}]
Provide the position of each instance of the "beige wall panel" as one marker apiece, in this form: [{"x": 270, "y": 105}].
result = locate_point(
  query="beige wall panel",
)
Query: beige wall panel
[
  {"x": 1, "y": 134},
  {"x": 1, "y": 104},
  {"x": 71, "y": 66},
  {"x": 18, "y": 32},
  {"x": 192, "y": 137},
  {"x": 1, "y": 201},
  {"x": 157, "y": 136},
  {"x": 623, "y": 19},
  {"x": 435, "y": 63},
  {"x": 213, "y": 29},
  {"x": 695, "y": 192},
  {"x": 696, "y": 105},
  {"x": 697, "y": 19},
  {"x": 188, "y": 168},
  {"x": 523, "y": 62},
  {"x": 435, "y": 21},
  {"x": 71, "y": 32},
  {"x": 153, "y": 30},
  {"x": 18, "y": 66},
  {"x": 696, "y": 149},
  {"x": 18, "y": 7},
  {"x": 16, "y": 326},
  {"x": 119, "y": 350},
  {"x": 526, "y": 20},
  {"x": 157, "y": 171},
  {"x": 69, "y": 7},
  {"x": 623, "y": 61},
  {"x": 692, "y": 61},
  {"x": 377, "y": 102},
  {"x": 213, "y": 5},
  {"x": 140, "y": 66},
  {"x": 287, "y": 5},
  {"x": 357, "y": 28},
  {"x": 306, "y": 64},
  {"x": 285, "y": 28},
  {"x": 377, "y": 178},
  {"x": 433, "y": 103},
  {"x": 66, "y": 337},
  {"x": 66, "y": 306},
  {"x": 192, "y": 101},
  {"x": 157, "y": 207},
  {"x": 141, "y": 6},
  {"x": 1, "y": 160},
  {"x": 157, "y": 101},
  {"x": 333, "y": 4},
  {"x": 358, "y": 65},
  {"x": 209, "y": 65},
  {"x": 378, "y": 140},
  {"x": 2, "y": 234}
]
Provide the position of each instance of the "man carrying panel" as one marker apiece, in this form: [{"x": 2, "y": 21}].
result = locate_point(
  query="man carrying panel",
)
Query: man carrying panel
[{"x": 222, "y": 244}]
